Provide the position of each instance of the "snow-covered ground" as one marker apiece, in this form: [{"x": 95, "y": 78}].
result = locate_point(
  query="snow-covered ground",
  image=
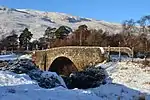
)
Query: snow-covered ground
[
  {"x": 132, "y": 75},
  {"x": 21, "y": 87},
  {"x": 127, "y": 81}
]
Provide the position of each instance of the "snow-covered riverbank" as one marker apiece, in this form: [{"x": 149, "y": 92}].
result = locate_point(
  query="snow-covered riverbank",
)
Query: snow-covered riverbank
[{"x": 130, "y": 82}]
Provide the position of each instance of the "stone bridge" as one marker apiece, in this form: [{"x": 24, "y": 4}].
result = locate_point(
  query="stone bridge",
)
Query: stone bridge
[{"x": 65, "y": 60}]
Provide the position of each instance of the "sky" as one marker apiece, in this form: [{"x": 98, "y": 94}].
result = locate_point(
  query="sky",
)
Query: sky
[{"x": 108, "y": 10}]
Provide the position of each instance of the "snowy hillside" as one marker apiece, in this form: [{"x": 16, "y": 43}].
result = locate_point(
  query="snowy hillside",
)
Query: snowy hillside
[{"x": 38, "y": 21}]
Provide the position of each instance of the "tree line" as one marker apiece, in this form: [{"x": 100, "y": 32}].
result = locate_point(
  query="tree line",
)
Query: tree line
[{"x": 135, "y": 34}]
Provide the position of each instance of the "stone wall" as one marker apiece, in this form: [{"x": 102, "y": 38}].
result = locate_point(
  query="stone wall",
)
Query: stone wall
[{"x": 122, "y": 49}]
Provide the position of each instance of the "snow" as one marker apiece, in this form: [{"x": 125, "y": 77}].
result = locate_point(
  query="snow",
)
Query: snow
[
  {"x": 38, "y": 21},
  {"x": 47, "y": 74},
  {"x": 126, "y": 81},
  {"x": 21, "y": 87},
  {"x": 102, "y": 50},
  {"x": 12, "y": 79},
  {"x": 26, "y": 56},
  {"x": 117, "y": 92},
  {"x": 8, "y": 57},
  {"x": 132, "y": 75}
]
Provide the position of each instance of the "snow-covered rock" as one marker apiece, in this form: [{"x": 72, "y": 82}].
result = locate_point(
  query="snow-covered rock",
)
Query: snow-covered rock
[
  {"x": 43, "y": 78},
  {"x": 51, "y": 80}
]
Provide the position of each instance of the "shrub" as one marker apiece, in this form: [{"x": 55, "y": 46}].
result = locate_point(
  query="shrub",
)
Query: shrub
[{"x": 89, "y": 78}]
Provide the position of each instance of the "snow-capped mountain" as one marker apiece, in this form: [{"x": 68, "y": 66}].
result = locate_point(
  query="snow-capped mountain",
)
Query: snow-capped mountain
[{"x": 38, "y": 21}]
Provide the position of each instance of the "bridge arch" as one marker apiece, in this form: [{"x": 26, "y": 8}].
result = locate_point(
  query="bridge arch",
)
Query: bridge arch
[
  {"x": 80, "y": 56},
  {"x": 63, "y": 65}
]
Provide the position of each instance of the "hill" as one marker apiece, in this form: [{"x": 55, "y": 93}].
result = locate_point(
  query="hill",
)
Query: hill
[{"x": 38, "y": 21}]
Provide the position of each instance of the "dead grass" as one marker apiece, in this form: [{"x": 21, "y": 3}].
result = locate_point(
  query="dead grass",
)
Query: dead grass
[
  {"x": 147, "y": 83},
  {"x": 146, "y": 63}
]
